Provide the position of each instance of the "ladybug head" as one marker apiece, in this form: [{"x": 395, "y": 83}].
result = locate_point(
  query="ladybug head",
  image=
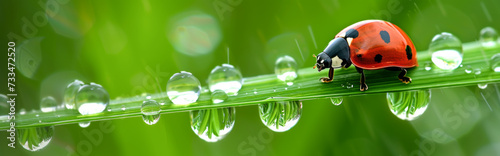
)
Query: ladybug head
[
  {"x": 339, "y": 53},
  {"x": 323, "y": 61}
]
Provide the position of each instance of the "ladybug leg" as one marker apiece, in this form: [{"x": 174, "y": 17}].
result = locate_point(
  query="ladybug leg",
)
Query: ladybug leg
[
  {"x": 402, "y": 76},
  {"x": 362, "y": 84},
  {"x": 329, "y": 78}
]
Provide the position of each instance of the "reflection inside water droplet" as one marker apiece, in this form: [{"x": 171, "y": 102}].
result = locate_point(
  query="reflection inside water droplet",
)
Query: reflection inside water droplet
[
  {"x": 225, "y": 78},
  {"x": 337, "y": 101},
  {"x": 35, "y": 138},
  {"x": 408, "y": 105},
  {"x": 280, "y": 116},
  {"x": 183, "y": 88},
  {"x": 91, "y": 99},
  {"x": 446, "y": 50},
  {"x": 286, "y": 69},
  {"x": 212, "y": 125}
]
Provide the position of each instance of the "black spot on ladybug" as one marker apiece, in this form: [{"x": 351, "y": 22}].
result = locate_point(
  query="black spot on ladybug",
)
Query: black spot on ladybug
[
  {"x": 378, "y": 58},
  {"x": 359, "y": 55},
  {"x": 352, "y": 33},
  {"x": 385, "y": 36},
  {"x": 409, "y": 55}
]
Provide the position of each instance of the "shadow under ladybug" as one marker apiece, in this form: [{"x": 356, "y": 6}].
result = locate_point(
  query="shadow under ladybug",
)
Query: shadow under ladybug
[{"x": 369, "y": 45}]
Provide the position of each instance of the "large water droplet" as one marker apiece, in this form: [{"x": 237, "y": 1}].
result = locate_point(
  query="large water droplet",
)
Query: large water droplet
[
  {"x": 408, "y": 105},
  {"x": 488, "y": 37},
  {"x": 70, "y": 93},
  {"x": 280, "y": 116},
  {"x": 84, "y": 124},
  {"x": 219, "y": 96},
  {"x": 337, "y": 101},
  {"x": 183, "y": 88},
  {"x": 35, "y": 138},
  {"x": 150, "y": 112},
  {"x": 91, "y": 99},
  {"x": 495, "y": 62},
  {"x": 285, "y": 69},
  {"x": 48, "y": 104},
  {"x": 212, "y": 125},
  {"x": 225, "y": 78},
  {"x": 446, "y": 50}
]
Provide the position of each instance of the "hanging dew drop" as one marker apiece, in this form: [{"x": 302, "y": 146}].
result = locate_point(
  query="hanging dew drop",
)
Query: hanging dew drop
[
  {"x": 482, "y": 85},
  {"x": 337, "y": 101},
  {"x": 280, "y": 116},
  {"x": 446, "y": 50},
  {"x": 285, "y": 69},
  {"x": 48, "y": 104},
  {"x": 488, "y": 37},
  {"x": 225, "y": 78},
  {"x": 219, "y": 96},
  {"x": 70, "y": 93},
  {"x": 495, "y": 62},
  {"x": 408, "y": 105},
  {"x": 91, "y": 99},
  {"x": 212, "y": 125},
  {"x": 35, "y": 138},
  {"x": 84, "y": 124},
  {"x": 183, "y": 88},
  {"x": 150, "y": 112}
]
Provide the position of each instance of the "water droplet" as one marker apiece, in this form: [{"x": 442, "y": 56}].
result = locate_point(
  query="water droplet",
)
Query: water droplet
[
  {"x": 84, "y": 124},
  {"x": 408, "y": 105},
  {"x": 477, "y": 71},
  {"x": 109, "y": 109},
  {"x": 35, "y": 138},
  {"x": 162, "y": 102},
  {"x": 225, "y": 78},
  {"x": 183, "y": 88},
  {"x": 212, "y": 125},
  {"x": 280, "y": 116},
  {"x": 286, "y": 88},
  {"x": 255, "y": 91},
  {"x": 468, "y": 69},
  {"x": 37, "y": 115},
  {"x": 428, "y": 66},
  {"x": 337, "y": 101},
  {"x": 70, "y": 93},
  {"x": 446, "y": 50},
  {"x": 39, "y": 121},
  {"x": 48, "y": 104},
  {"x": 148, "y": 97},
  {"x": 285, "y": 69},
  {"x": 22, "y": 111},
  {"x": 123, "y": 108},
  {"x": 482, "y": 85},
  {"x": 91, "y": 99},
  {"x": 488, "y": 37},
  {"x": 150, "y": 112},
  {"x": 495, "y": 62},
  {"x": 219, "y": 96}
]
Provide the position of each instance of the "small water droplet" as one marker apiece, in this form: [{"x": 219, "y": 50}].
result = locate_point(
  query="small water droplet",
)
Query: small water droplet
[
  {"x": 446, "y": 50},
  {"x": 482, "y": 85},
  {"x": 219, "y": 96},
  {"x": 286, "y": 88},
  {"x": 109, "y": 109},
  {"x": 285, "y": 69},
  {"x": 183, "y": 88},
  {"x": 84, "y": 124},
  {"x": 408, "y": 105},
  {"x": 123, "y": 108},
  {"x": 212, "y": 125},
  {"x": 48, "y": 104},
  {"x": 255, "y": 91},
  {"x": 70, "y": 93},
  {"x": 488, "y": 37},
  {"x": 37, "y": 115},
  {"x": 148, "y": 97},
  {"x": 35, "y": 138},
  {"x": 225, "y": 78},
  {"x": 495, "y": 62},
  {"x": 337, "y": 101},
  {"x": 280, "y": 116},
  {"x": 150, "y": 112},
  {"x": 91, "y": 99},
  {"x": 477, "y": 71},
  {"x": 39, "y": 121},
  {"x": 162, "y": 102},
  {"x": 428, "y": 66},
  {"x": 22, "y": 111},
  {"x": 468, "y": 69}
]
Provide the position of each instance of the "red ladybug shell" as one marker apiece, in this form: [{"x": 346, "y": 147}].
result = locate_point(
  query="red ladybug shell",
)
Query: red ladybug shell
[{"x": 379, "y": 44}]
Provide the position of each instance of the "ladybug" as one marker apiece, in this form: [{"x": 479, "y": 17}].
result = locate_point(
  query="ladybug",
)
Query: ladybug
[{"x": 369, "y": 45}]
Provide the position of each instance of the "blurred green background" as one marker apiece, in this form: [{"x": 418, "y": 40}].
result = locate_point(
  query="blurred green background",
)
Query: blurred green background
[{"x": 133, "y": 47}]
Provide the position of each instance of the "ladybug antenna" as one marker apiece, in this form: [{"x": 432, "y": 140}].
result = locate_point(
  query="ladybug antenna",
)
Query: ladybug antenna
[
  {"x": 314, "y": 56},
  {"x": 314, "y": 67}
]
